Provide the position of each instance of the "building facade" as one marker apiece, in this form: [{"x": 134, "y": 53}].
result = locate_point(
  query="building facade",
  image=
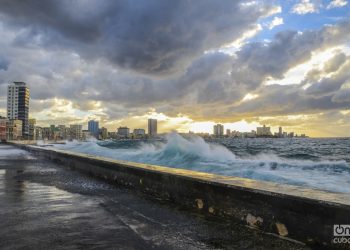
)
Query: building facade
[
  {"x": 93, "y": 127},
  {"x": 38, "y": 133},
  {"x": 103, "y": 133},
  {"x": 280, "y": 132},
  {"x": 139, "y": 133},
  {"x": 123, "y": 132},
  {"x": 14, "y": 130},
  {"x": 85, "y": 135},
  {"x": 63, "y": 132},
  {"x": 263, "y": 131},
  {"x": 31, "y": 129},
  {"x": 3, "y": 128},
  {"x": 112, "y": 135},
  {"x": 76, "y": 132},
  {"x": 18, "y": 105},
  {"x": 47, "y": 133},
  {"x": 218, "y": 130},
  {"x": 152, "y": 127}
]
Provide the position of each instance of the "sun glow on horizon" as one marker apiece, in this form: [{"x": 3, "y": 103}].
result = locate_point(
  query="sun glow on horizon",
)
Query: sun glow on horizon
[{"x": 207, "y": 127}]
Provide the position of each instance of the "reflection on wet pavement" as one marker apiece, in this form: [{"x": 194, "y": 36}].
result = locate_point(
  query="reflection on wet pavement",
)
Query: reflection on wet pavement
[{"x": 46, "y": 206}]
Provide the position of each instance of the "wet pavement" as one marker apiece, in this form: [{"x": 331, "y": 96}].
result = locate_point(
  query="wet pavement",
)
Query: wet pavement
[{"x": 47, "y": 206}]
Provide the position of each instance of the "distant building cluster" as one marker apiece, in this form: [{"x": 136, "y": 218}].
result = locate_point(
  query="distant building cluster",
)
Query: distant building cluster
[
  {"x": 137, "y": 133},
  {"x": 18, "y": 126},
  {"x": 60, "y": 132},
  {"x": 264, "y": 131},
  {"x": 76, "y": 132}
]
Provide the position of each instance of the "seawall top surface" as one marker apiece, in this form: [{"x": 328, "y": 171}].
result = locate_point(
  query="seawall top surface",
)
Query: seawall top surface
[
  {"x": 257, "y": 186},
  {"x": 52, "y": 207}
]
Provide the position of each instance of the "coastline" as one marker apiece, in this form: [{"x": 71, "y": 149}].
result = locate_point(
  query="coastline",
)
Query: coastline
[{"x": 283, "y": 210}]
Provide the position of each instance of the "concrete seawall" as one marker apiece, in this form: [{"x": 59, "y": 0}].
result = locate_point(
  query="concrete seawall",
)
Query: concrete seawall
[{"x": 297, "y": 213}]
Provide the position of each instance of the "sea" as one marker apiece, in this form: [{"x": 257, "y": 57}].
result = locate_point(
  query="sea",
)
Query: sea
[{"x": 318, "y": 163}]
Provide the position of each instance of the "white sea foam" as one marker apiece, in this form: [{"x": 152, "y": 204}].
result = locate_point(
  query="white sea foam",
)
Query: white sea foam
[
  {"x": 7, "y": 152},
  {"x": 196, "y": 154}
]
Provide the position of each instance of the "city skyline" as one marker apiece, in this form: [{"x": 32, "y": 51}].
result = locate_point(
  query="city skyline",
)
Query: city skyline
[
  {"x": 18, "y": 110},
  {"x": 279, "y": 63}
]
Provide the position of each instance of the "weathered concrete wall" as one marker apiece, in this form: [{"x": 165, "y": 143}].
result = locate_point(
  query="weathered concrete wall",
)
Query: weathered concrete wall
[{"x": 298, "y": 213}]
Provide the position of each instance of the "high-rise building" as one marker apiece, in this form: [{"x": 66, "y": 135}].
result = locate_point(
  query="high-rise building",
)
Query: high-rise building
[
  {"x": 280, "y": 132},
  {"x": 152, "y": 127},
  {"x": 18, "y": 105},
  {"x": 93, "y": 128},
  {"x": 228, "y": 132},
  {"x": 218, "y": 130}
]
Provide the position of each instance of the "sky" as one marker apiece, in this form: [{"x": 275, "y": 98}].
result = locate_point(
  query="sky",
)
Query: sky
[{"x": 188, "y": 63}]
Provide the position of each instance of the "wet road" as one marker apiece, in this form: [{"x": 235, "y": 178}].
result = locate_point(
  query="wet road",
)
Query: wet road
[{"x": 46, "y": 206}]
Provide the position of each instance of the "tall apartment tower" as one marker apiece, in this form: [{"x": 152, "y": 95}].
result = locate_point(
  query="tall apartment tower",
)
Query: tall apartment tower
[
  {"x": 18, "y": 105},
  {"x": 93, "y": 128},
  {"x": 218, "y": 130},
  {"x": 152, "y": 127}
]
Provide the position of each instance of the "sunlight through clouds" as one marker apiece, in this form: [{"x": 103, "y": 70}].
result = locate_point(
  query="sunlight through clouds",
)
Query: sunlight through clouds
[
  {"x": 189, "y": 66},
  {"x": 317, "y": 62}
]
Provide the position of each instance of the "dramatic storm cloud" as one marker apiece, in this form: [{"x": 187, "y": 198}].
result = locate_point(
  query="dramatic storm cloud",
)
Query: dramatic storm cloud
[
  {"x": 186, "y": 61},
  {"x": 150, "y": 37}
]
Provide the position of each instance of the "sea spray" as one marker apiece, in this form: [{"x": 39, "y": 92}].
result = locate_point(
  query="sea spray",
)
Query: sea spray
[
  {"x": 14, "y": 153},
  {"x": 196, "y": 154}
]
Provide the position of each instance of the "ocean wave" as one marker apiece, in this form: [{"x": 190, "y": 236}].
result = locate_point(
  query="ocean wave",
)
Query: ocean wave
[
  {"x": 8, "y": 152},
  {"x": 194, "y": 153}
]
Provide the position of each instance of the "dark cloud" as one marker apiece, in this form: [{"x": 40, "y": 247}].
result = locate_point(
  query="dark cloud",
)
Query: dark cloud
[
  {"x": 335, "y": 63},
  {"x": 342, "y": 96},
  {"x": 259, "y": 60},
  {"x": 73, "y": 19},
  {"x": 4, "y": 63},
  {"x": 288, "y": 48},
  {"x": 290, "y": 99},
  {"x": 147, "y": 36},
  {"x": 331, "y": 84},
  {"x": 128, "y": 56}
]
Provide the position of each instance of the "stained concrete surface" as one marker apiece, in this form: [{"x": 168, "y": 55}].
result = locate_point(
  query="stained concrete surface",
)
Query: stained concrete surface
[{"x": 47, "y": 206}]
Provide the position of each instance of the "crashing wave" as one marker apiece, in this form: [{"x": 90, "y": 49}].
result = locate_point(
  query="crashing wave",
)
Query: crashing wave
[{"x": 195, "y": 153}]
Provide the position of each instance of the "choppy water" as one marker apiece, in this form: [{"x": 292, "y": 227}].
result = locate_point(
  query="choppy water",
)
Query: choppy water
[{"x": 316, "y": 163}]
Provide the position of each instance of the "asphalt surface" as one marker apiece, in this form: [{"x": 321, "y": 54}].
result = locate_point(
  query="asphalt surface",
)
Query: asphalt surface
[{"x": 47, "y": 206}]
